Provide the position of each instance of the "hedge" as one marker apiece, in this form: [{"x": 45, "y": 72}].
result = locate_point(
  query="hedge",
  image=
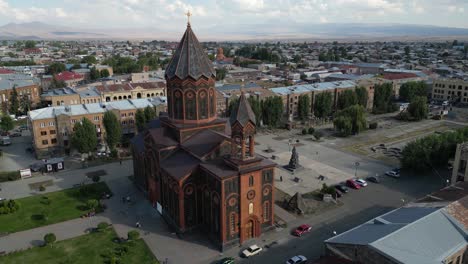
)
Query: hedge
[{"x": 9, "y": 176}]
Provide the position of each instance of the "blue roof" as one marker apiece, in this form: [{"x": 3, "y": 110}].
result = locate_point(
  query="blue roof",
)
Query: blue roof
[
  {"x": 303, "y": 88},
  {"x": 228, "y": 87}
]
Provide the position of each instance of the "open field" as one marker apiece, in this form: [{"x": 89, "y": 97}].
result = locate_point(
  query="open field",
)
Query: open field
[
  {"x": 50, "y": 208},
  {"x": 96, "y": 247}
]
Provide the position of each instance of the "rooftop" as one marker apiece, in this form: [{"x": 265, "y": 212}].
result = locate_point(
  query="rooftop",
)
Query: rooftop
[{"x": 303, "y": 88}]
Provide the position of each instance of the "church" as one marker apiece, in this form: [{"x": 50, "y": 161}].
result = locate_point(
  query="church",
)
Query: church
[{"x": 200, "y": 171}]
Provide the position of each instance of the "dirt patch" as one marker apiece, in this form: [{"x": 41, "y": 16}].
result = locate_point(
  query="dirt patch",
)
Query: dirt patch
[
  {"x": 36, "y": 185},
  {"x": 279, "y": 138}
]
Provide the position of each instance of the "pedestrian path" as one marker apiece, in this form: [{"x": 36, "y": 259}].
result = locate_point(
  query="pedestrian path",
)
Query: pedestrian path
[{"x": 34, "y": 237}]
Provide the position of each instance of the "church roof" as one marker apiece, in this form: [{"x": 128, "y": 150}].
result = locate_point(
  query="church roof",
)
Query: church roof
[
  {"x": 204, "y": 142},
  {"x": 243, "y": 112},
  {"x": 180, "y": 164},
  {"x": 189, "y": 59}
]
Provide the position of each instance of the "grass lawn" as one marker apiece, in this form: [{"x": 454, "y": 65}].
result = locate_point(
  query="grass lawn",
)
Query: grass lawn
[
  {"x": 56, "y": 206},
  {"x": 96, "y": 247}
]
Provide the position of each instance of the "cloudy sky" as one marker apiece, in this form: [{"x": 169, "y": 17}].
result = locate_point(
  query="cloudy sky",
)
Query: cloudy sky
[{"x": 169, "y": 14}]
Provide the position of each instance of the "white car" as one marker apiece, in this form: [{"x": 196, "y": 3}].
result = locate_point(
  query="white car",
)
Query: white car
[
  {"x": 361, "y": 182},
  {"x": 251, "y": 251},
  {"x": 296, "y": 260},
  {"x": 2, "y": 199},
  {"x": 393, "y": 174}
]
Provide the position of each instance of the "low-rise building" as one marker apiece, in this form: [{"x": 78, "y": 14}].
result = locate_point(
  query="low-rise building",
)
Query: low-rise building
[
  {"x": 25, "y": 86},
  {"x": 52, "y": 127},
  {"x": 454, "y": 90},
  {"x": 115, "y": 92},
  {"x": 399, "y": 78}
]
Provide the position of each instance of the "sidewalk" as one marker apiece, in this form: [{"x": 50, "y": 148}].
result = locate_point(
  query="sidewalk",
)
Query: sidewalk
[{"x": 34, "y": 237}]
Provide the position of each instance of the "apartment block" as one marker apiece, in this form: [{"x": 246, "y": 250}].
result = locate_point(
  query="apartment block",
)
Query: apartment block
[{"x": 454, "y": 90}]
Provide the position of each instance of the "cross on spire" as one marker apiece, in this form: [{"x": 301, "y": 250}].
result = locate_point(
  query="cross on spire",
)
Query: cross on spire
[{"x": 188, "y": 14}]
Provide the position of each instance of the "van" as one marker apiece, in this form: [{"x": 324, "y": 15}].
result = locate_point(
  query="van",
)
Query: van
[
  {"x": 5, "y": 141},
  {"x": 445, "y": 103}
]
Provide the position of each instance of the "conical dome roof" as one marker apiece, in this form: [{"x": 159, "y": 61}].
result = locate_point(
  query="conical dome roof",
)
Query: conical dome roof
[
  {"x": 189, "y": 59},
  {"x": 243, "y": 112}
]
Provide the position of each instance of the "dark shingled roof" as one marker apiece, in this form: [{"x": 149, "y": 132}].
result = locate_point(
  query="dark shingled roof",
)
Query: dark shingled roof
[
  {"x": 203, "y": 142},
  {"x": 179, "y": 164},
  {"x": 189, "y": 59},
  {"x": 243, "y": 112},
  {"x": 138, "y": 143},
  {"x": 162, "y": 137}
]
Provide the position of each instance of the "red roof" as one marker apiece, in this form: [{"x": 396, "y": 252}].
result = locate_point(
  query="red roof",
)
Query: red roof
[
  {"x": 32, "y": 50},
  {"x": 67, "y": 76},
  {"x": 6, "y": 71},
  {"x": 396, "y": 76}
]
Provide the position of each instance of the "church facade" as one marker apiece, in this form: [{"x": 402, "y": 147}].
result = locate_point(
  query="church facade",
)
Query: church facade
[{"x": 200, "y": 171}]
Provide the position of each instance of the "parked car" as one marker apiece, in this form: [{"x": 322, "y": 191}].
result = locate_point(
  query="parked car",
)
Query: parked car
[
  {"x": 342, "y": 188},
  {"x": 227, "y": 260},
  {"x": 16, "y": 134},
  {"x": 2, "y": 199},
  {"x": 397, "y": 170},
  {"x": 302, "y": 229},
  {"x": 361, "y": 182},
  {"x": 393, "y": 174},
  {"x": 251, "y": 251},
  {"x": 5, "y": 141},
  {"x": 353, "y": 184},
  {"x": 296, "y": 260},
  {"x": 373, "y": 179}
]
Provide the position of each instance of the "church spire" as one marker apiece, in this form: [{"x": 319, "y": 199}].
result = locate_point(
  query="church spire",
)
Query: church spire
[{"x": 243, "y": 112}]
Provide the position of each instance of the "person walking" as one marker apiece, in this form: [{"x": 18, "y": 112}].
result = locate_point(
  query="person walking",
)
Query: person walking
[
  {"x": 281, "y": 178},
  {"x": 120, "y": 161}
]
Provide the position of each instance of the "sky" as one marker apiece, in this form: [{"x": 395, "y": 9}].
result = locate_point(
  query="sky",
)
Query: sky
[{"x": 169, "y": 14}]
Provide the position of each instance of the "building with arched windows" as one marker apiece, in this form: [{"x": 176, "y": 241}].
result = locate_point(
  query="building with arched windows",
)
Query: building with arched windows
[{"x": 200, "y": 171}]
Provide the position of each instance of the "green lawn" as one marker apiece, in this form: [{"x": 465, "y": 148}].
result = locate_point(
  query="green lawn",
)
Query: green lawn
[
  {"x": 57, "y": 207},
  {"x": 96, "y": 247}
]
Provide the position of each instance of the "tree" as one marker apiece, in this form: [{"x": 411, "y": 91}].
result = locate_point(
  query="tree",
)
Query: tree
[
  {"x": 220, "y": 74},
  {"x": 92, "y": 204},
  {"x": 55, "y": 68},
  {"x": 50, "y": 238},
  {"x": 89, "y": 59},
  {"x": 105, "y": 73},
  {"x": 407, "y": 51},
  {"x": 57, "y": 83},
  {"x": 113, "y": 129},
  {"x": 343, "y": 125},
  {"x": 133, "y": 235},
  {"x": 102, "y": 226},
  {"x": 351, "y": 120},
  {"x": 418, "y": 108},
  {"x": 84, "y": 139},
  {"x": 94, "y": 74},
  {"x": 362, "y": 96},
  {"x": 140, "y": 120},
  {"x": 14, "y": 102},
  {"x": 346, "y": 99},
  {"x": 410, "y": 90},
  {"x": 256, "y": 106},
  {"x": 383, "y": 99},
  {"x": 150, "y": 113},
  {"x": 272, "y": 111},
  {"x": 7, "y": 123},
  {"x": 96, "y": 178},
  {"x": 25, "y": 104},
  {"x": 30, "y": 44},
  {"x": 323, "y": 104},
  {"x": 303, "y": 107}
]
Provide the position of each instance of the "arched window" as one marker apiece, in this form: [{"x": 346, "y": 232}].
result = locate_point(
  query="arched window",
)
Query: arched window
[
  {"x": 251, "y": 181},
  {"x": 266, "y": 211},
  {"x": 251, "y": 208},
  {"x": 233, "y": 223},
  {"x": 120, "y": 97},
  {"x": 124, "y": 97},
  {"x": 138, "y": 95},
  {"x": 203, "y": 104},
  {"x": 190, "y": 106},
  {"x": 178, "y": 107},
  {"x": 152, "y": 94},
  {"x": 212, "y": 103}
]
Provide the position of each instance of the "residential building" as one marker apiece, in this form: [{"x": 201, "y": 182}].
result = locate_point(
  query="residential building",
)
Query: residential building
[
  {"x": 399, "y": 78},
  {"x": 196, "y": 173},
  {"x": 71, "y": 79},
  {"x": 460, "y": 163},
  {"x": 24, "y": 85},
  {"x": 431, "y": 230},
  {"x": 114, "y": 92},
  {"x": 52, "y": 127},
  {"x": 453, "y": 90}
]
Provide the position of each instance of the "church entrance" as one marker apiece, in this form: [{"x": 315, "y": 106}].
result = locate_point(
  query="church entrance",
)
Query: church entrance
[{"x": 249, "y": 230}]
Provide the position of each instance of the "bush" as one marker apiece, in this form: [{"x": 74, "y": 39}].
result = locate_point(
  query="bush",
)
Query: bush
[
  {"x": 92, "y": 204},
  {"x": 114, "y": 154},
  {"x": 311, "y": 130},
  {"x": 96, "y": 178},
  {"x": 133, "y": 235},
  {"x": 373, "y": 125},
  {"x": 327, "y": 190},
  {"x": 304, "y": 131},
  {"x": 49, "y": 238},
  {"x": 318, "y": 135},
  {"x": 9, "y": 176},
  {"x": 42, "y": 188},
  {"x": 102, "y": 226}
]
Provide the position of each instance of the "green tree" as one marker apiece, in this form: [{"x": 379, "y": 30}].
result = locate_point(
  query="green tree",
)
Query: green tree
[
  {"x": 57, "y": 83},
  {"x": 7, "y": 123},
  {"x": 140, "y": 119},
  {"x": 25, "y": 104},
  {"x": 55, "y": 68},
  {"x": 407, "y": 51},
  {"x": 256, "y": 106},
  {"x": 272, "y": 111},
  {"x": 84, "y": 139},
  {"x": 92, "y": 204},
  {"x": 221, "y": 74},
  {"x": 418, "y": 108},
  {"x": 94, "y": 74},
  {"x": 89, "y": 59},
  {"x": 383, "y": 99},
  {"x": 96, "y": 178},
  {"x": 14, "y": 102},
  {"x": 102, "y": 226},
  {"x": 150, "y": 113},
  {"x": 105, "y": 73},
  {"x": 410, "y": 90},
  {"x": 303, "y": 107},
  {"x": 343, "y": 125},
  {"x": 30, "y": 44},
  {"x": 346, "y": 99},
  {"x": 133, "y": 235},
  {"x": 113, "y": 129},
  {"x": 323, "y": 104},
  {"x": 362, "y": 96},
  {"x": 50, "y": 238},
  {"x": 355, "y": 116}
]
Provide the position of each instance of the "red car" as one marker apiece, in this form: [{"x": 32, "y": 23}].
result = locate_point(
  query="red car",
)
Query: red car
[
  {"x": 302, "y": 230},
  {"x": 351, "y": 183}
]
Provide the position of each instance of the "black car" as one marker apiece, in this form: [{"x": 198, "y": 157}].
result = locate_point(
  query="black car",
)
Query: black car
[
  {"x": 341, "y": 188},
  {"x": 397, "y": 170},
  {"x": 15, "y": 134},
  {"x": 373, "y": 179}
]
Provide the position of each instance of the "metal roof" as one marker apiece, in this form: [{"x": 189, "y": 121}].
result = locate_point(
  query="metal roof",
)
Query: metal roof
[{"x": 303, "y": 88}]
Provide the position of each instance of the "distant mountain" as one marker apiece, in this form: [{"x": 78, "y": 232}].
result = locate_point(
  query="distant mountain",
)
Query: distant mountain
[{"x": 286, "y": 31}]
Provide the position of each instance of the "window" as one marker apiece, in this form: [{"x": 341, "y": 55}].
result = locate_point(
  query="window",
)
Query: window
[
  {"x": 459, "y": 260},
  {"x": 43, "y": 133},
  {"x": 52, "y": 132},
  {"x": 51, "y": 123},
  {"x": 131, "y": 121},
  {"x": 251, "y": 208},
  {"x": 232, "y": 223},
  {"x": 45, "y": 142},
  {"x": 251, "y": 181},
  {"x": 124, "y": 122},
  {"x": 73, "y": 121},
  {"x": 123, "y": 114},
  {"x": 53, "y": 141},
  {"x": 42, "y": 124},
  {"x": 266, "y": 211},
  {"x": 130, "y": 114}
]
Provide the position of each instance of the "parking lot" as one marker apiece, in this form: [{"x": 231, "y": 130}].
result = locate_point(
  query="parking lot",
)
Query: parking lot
[{"x": 15, "y": 156}]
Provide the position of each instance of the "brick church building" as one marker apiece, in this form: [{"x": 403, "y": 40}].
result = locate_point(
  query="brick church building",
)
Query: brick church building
[{"x": 200, "y": 171}]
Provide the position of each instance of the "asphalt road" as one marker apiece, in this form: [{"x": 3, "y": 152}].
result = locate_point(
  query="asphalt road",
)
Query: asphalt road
[{"x": 359, "y": 207}]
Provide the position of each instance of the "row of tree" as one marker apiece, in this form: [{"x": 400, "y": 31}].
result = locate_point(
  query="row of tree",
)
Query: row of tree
[
  {"x": 432, "y": 151},
  {"x": 351, "y": 120},
  {"x": 384, "y": 99},
  {"x": 17, "y": 104},
  {"x": 268, "y": 111}
]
